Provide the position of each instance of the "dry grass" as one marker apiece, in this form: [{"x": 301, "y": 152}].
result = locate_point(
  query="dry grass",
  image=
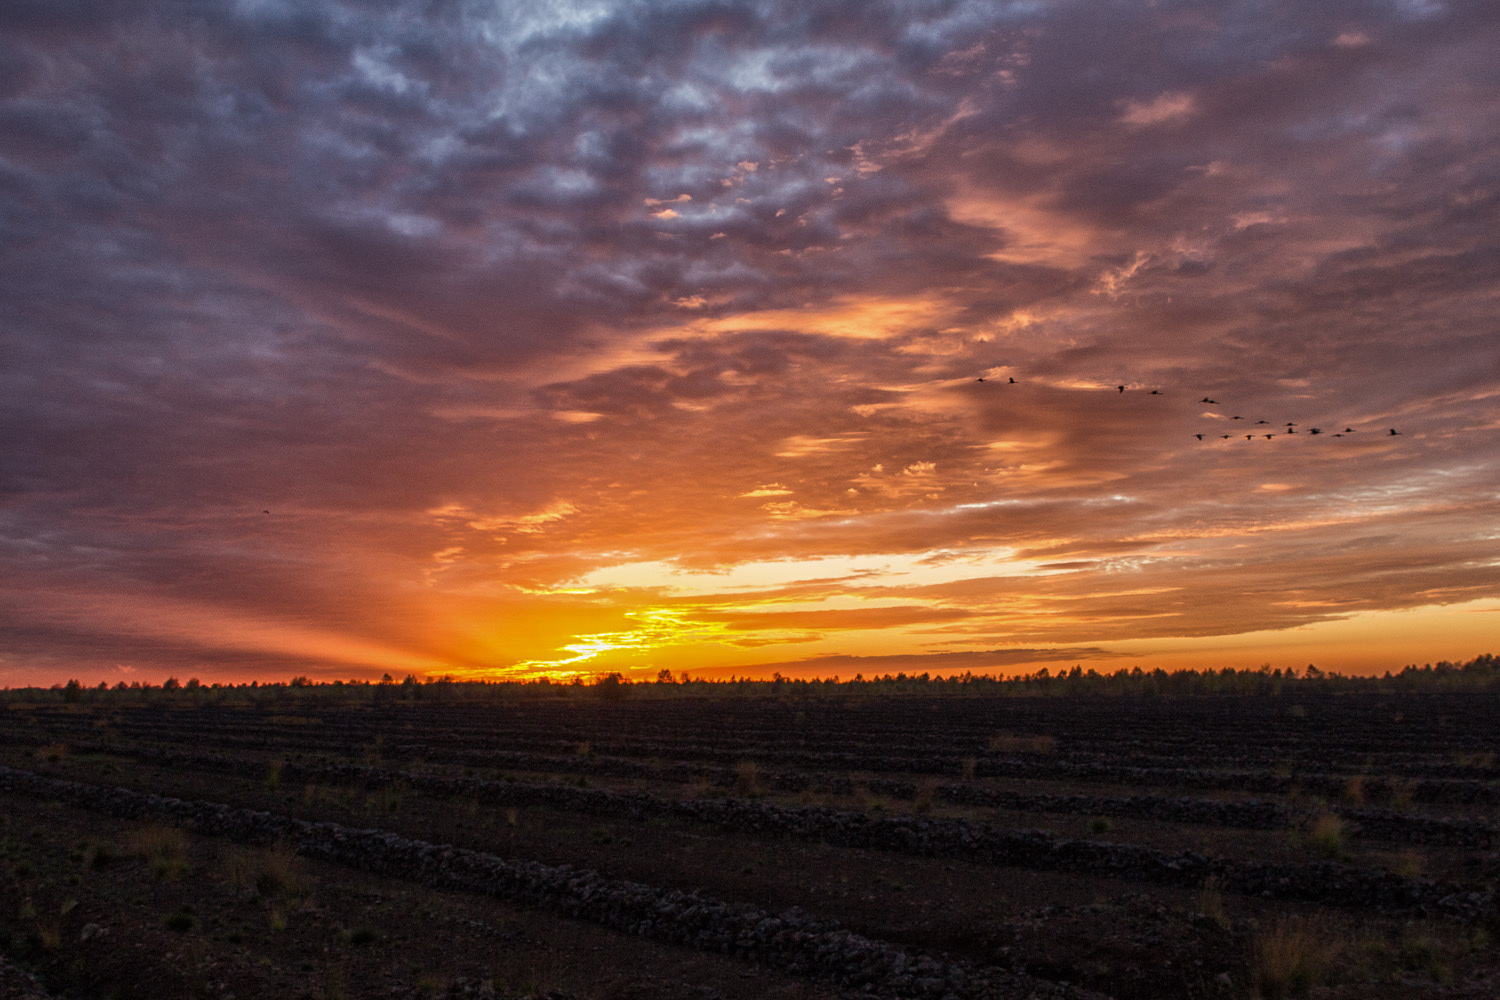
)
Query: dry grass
[
  {"x": 926, "y": 794},
  {"x": 1288, "y": 959},
  {"x": 274, "y": 873},
  {"x": 1210, "y": 903},
  {"x": 1325, "y": 837},
  {"x": 748, "y": 780},
  {"x": 52, "y": 752},
  {"x": 1354, "y": 790},
  {"x": 162, "y": 847},
  {"x": 1402, "y": 791},
  {"x": 1008, "y": 742}
]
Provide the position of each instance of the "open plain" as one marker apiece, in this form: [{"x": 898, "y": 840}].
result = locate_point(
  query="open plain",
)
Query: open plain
[{"x": 694, "y": 842}]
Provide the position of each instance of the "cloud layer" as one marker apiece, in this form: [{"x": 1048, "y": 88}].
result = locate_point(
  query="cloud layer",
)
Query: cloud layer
[{"x": 488, "y": 338}]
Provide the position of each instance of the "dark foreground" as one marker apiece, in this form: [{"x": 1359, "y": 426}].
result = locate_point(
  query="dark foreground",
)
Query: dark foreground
[{"x": 1337, "y": 846}]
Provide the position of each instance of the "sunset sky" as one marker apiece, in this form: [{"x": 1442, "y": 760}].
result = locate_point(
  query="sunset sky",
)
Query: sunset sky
[{"x": 503, "y": 338}]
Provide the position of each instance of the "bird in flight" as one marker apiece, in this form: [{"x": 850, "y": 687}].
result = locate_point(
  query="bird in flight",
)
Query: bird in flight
[
  {"x": 1205, "y": 399},
  {"x": 1120, "y": 387},
  {"x": 1394, "y": 432},
  {"x": 1154, "y": 392},
  {"x": 1013, "y": 380},
  {"x": 1198, "y": 436}
]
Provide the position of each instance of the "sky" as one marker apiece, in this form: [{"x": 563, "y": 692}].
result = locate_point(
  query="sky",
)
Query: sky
[{"x": 734, "y": 337}]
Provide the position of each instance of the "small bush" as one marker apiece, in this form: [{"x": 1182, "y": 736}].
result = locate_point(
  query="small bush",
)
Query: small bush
[
  {"x": 1100, "y": 824},
  {"x": 181, "y": 922},
  {"x": 1354, "y": 790}
]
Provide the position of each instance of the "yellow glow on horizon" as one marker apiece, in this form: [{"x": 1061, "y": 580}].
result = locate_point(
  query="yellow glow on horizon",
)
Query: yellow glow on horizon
[
  {"x": 891, "y": 570},
  {"x": 658, "y": 628}
]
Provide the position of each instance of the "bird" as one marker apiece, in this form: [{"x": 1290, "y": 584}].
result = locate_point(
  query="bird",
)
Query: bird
[
  {"x": 1198, "y": 436},
  {"x": 1249, "y": 437},
  {"x": 1348, "y": 430},
  {"x": 1270, "y": 436},
  {"x": 1120, "y": 387},
  {"x": 1316, "y": 430},
  {"x": 1394, "y": 432},
  {"x": 265, "y": 512},
  {"x": 1226, "y": 436},
  {"x": 979, "y": 380},
  {"x": 1263, "y": 421},
  {"x": 1205, "y": 399},
  {"x": 1236, "y": 418},
  {"x": 1154, "y": 392},
  {"x": 1012, "y": 381}
]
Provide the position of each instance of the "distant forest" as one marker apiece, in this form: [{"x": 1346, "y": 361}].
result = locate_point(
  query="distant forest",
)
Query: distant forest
[{"x": 1479, "y": 674}]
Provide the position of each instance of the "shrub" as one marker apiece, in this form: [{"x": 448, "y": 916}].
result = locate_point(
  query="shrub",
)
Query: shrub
[
  {"x": 181, "y": 921},
  {"x": 1100, "y": 824}
]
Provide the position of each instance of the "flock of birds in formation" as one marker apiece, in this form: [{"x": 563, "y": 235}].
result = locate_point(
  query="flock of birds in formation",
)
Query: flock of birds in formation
[{"x": 1291, "y": 428}]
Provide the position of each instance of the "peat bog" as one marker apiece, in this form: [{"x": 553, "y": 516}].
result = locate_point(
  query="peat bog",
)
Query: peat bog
[{"x": 466, "y": 842}]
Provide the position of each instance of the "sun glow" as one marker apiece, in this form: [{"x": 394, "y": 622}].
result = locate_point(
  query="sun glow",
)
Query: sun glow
[{"x": 656, "y": 628}]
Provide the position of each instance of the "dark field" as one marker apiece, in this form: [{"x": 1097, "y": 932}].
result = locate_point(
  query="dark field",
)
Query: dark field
[{"x": 1130, "y": 847}]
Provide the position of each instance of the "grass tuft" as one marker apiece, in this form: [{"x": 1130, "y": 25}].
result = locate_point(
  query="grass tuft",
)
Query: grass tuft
[
  {"x": 1325, "y": 837},
  {"x": 748, "y": 780},
  {"x": 1288, "y": 960},
  {"x": 1008, "y": 742},
  {"x": 164, "y": 848}
]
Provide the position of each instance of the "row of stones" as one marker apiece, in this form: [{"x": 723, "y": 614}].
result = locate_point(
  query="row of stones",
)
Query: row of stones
[
  {"x": 792, "y": 942},
  {"x": 928, "y": 836},
  {"x": 1252, "y": 814}
]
